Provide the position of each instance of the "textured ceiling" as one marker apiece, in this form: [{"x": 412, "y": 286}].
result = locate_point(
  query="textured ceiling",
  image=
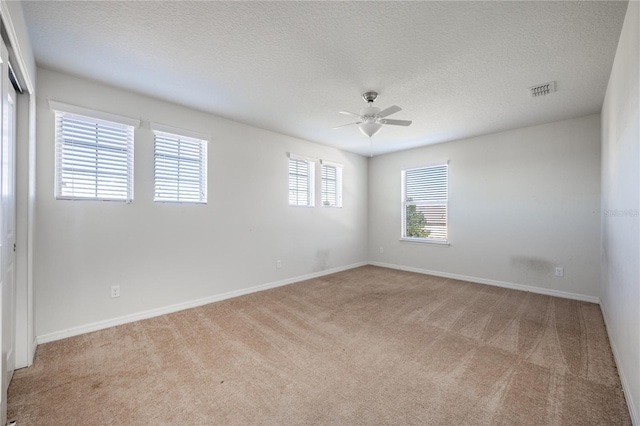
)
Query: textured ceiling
[{"x": 458, "y": 69}]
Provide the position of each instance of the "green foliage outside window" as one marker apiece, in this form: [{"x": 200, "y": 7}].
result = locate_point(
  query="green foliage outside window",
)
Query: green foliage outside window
[{"x": 416, "y": 223}]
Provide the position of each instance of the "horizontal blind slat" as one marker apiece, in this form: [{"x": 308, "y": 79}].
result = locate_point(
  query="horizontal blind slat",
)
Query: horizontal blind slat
[
  {"x": 331, "y": 185},
  {"x": 425, "y": 202},
  {"x": 180, "y": 172},
  {"x": 300, "y": 182},
  {"x": 94, "y": 158}
]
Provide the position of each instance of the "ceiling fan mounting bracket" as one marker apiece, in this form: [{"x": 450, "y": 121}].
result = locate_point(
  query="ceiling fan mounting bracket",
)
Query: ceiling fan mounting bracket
[{"x": 369, "y": 96}]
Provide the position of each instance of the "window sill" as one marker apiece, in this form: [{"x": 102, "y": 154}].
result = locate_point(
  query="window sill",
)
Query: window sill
[
  {"x": 117, "y": 200},
  {"x": 180, "y": 202},
  {"x": 425, "y": 241}
]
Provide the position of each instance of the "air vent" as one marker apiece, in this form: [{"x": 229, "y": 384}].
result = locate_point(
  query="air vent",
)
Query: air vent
[{"x": 542, "y": 89}]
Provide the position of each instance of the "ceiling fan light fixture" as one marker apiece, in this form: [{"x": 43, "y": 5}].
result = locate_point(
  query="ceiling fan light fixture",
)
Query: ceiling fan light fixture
[{"x": 370, "y": 128}]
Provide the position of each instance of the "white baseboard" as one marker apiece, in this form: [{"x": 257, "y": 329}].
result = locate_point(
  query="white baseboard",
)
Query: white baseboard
[
  {"x": 532, "y": 289},
  {"x": 633, "y": 411},
  {"x": 101, "y": 325}
]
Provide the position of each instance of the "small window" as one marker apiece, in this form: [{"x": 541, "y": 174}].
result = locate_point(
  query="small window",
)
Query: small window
[
  {"x": 331, "y": 184},
  {"x": 424, "y": 203},
  {"x": 180, "y": 167},
  {"x": 301, "y": 181},
  {"x": 94, "y": 157}
]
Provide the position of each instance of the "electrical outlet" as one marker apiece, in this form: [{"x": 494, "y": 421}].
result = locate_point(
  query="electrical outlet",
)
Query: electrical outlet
[
  {"x": 559, "y": 271},
  {"x": 278, "y": 264},
  {"x": 381, "y": 249},
  {"x": 115, "y": 291}
]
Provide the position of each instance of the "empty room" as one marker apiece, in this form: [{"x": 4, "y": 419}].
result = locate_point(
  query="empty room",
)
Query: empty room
[{"x": 320, "y": 212}]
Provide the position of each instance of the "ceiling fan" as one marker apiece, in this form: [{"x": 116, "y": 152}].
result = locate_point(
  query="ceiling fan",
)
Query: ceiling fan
[{"x": 371, "y": 119}]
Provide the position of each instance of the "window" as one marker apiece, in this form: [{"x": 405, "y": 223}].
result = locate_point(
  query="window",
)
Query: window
[
  {"x": 94, "y": 154},
  {"x": 424, "y": 203},
  {"x": 301, "y": 181},
  {"x": 331, "y": 184},
  {"x": 180, "y": 166}
]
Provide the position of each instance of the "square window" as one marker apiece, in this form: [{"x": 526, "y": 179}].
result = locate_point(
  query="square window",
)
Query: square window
[{"x": 94, "y": 158}]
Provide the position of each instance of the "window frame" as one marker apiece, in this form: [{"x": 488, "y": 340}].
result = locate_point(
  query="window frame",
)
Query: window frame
[
  {"x": 440, "y": 202},
  {"x": 89, "y": 117},
  {"x": 311, "y": 165},
  {"x": 189, "y": 137},
  {"x": 338, "y": 183}
]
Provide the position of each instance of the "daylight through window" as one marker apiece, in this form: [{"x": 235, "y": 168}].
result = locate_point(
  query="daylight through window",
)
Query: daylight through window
[
  {"x": 94, "y": 158},
  {"x": 301, "y": 181},
  {"x": 180, "y": 168},
  {"x": 424, "y": 203},
  {"x": 331, "y": 184}
]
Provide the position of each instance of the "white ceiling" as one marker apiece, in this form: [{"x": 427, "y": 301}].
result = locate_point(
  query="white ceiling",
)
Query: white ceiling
[{"x": 458, "y": 69}]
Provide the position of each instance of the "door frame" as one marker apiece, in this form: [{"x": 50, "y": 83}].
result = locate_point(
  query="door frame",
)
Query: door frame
[{"x": 14, "y": 34}]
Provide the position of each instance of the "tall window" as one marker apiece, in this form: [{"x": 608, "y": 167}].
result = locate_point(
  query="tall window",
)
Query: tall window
[
  {"x": 331, "y": 184},
  {"x": 301, "y": 181},
  {"x": 424, "y": 203},
  {"x": 180, "y": 167},
  {"x": 94, "y": 156}
]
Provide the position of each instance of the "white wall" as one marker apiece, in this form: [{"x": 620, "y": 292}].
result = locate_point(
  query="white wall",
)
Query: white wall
[
  {"x": 620, "y": 291},
  {"x": 162, "y": 253},
  {"x": 520, "y": 203}
]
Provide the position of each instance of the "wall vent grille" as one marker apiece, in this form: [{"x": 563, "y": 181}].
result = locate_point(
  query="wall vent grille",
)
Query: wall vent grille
[{"x": 542, "y": 89}]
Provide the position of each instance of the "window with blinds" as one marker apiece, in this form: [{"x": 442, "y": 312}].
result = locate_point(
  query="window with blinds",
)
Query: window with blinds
[
  {"x": 180, "y": 168},
  {"x": 331, "y": 184},
  {"x": 301, "y": 181},
  {"x": 424, "y": 203},
  {"x": 94, "y": 159}
]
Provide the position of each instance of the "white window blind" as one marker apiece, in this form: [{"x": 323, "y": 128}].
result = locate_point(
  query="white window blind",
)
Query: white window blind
[
  {"x": 180, "y": 171},
  {"x": 424, "y": 203},
  {"x": 94, "y": 158},
  {"x": 331, "y": 184},
  {"x": 301, "y": 181}
]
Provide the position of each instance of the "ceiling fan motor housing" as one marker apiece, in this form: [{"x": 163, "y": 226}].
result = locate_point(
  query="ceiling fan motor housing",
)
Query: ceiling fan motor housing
[{"x": 370, "y": 113}]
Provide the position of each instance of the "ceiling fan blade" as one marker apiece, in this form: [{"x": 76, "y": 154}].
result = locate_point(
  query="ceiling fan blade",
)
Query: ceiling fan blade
[
  {"x": 396, "y": 122},
  {"x": 388, "y": 111},
  {"x": 350, "y": 113},
  {"x": 348, "y": 124}
]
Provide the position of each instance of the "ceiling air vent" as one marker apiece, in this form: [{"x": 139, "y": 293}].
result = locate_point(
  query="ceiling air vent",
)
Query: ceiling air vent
[{"x": 542, "y": 89}]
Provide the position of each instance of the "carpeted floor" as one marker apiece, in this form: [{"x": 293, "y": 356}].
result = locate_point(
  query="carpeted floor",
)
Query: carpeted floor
[{"x": 365, "y": 346}]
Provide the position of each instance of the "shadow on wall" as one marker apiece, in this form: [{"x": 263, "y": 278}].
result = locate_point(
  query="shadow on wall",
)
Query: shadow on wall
[
  {"x": 322, "y": 260},
  {"x": 532, "y": 270}
]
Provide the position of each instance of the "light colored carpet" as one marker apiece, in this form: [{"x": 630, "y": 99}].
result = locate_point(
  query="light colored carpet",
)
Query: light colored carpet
[{"x": 366, "y": 346}]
